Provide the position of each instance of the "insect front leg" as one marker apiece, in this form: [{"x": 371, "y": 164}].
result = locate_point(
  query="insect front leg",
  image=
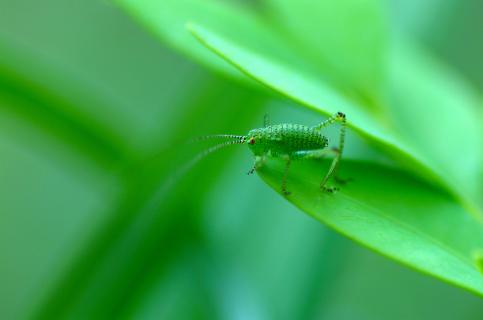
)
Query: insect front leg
[
  {"x": 259, "y": 161},
  {"x": 285, "y": 175},
  {"x": 252, "y": 170}
]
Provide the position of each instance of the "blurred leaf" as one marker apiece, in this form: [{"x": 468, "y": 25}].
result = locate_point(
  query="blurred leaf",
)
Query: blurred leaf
[
  {"x": 93, "y": 72},
  {"x": 436, "y": 113},
  {"x": 151, "y": 225},
  {"x": 410, "y": 222},
  {"x": 311, "y": 92},
  {"x": 51, "y": 111},
  {"x": 372, "y": 287},
  {"x": 181, "y": 286},
  {"x": 141, "y": 231},
  {"x": 40, "y": 227},
  {"x": 167, "y": 19},
  {"x": 346, "y": 38}
]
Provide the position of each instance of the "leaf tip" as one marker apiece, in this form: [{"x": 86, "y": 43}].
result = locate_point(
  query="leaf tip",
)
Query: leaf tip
[
  {"x": 191, "y": 27},
  {"x": 478, "y": 258},
  {"x": 194, "y": 29}
]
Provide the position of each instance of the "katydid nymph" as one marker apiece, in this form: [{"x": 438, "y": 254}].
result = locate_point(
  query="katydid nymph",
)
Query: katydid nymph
[{"x": 290, "y": 142}]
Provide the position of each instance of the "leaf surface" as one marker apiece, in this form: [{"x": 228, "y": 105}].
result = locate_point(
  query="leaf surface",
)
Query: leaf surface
[
  {"x": 167, "y": 19},
  {"x": 435, "y": 111},
  {"x": 410, "y": 221},
  {"x": 347, "y": 39}
]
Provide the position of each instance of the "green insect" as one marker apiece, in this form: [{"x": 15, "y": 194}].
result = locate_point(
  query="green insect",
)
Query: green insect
[{"x": 290, "y": 142}]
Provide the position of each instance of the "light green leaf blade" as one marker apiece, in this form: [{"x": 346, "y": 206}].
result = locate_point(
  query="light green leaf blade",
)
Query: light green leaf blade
[
  {"x": 26, "y": 91},
  {"x": 346, "y": 38},
  {"x": 312, "y": 92},
  {"x": 167, "y": 20},
  {"x": 392, "y": 213},
  {"x": 435, "y": 111}
]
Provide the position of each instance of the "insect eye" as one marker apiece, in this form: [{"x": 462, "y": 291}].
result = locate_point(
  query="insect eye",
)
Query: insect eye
[{"x": 251, "y": 141}]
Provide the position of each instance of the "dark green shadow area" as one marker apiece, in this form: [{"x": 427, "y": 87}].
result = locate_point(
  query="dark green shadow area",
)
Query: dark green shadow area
[{"x": 53, "y": 115}]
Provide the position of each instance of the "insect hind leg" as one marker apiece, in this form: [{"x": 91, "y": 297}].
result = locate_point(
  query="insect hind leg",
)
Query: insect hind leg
[
  {"x": 331, "y": 172},
  {"x": 339, "y": 117},
  {"x": 318, "y": 154}
]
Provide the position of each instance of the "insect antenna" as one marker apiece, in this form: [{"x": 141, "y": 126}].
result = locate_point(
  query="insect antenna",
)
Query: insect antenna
[
  {"x": 188, "y": 165},
  {"x": 184, "y": 168},
  {"x": 218, "y": 136},
  {"x": 216, "y": 147}
]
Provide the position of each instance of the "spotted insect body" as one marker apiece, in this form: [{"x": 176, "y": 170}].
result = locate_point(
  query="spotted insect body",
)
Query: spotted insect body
[
  {"x": 290, "y": 142},
  {"x": 284, "y": 139}
]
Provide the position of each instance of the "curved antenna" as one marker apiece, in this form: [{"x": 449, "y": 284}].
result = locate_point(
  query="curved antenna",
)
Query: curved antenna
[
  {"x": 218, "y": 136},
  {"x": 183, "y": 169},
  {"x": 188, "y": 165},
  {"x": 214, "y": 148}
]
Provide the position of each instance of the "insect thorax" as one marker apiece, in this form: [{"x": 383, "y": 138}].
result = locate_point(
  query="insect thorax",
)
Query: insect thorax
[{"x": 285, "y": 139}]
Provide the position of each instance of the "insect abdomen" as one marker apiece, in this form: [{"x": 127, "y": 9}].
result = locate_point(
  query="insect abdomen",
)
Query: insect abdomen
[{"x": 289, "y": 138}]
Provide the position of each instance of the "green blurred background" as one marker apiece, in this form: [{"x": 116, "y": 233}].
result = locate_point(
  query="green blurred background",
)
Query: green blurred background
[{"x": 93, "y": 113}]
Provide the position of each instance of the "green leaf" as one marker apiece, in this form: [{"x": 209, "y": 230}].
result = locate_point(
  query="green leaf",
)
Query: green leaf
[
  {"x": 56, "y": 271},
  {"x": 34, "y": 100},
  {"x": 410, "y": 221},
  {"x": 306, "y": 89},
  {"x": 346, "y": 38},
  {"x": 145, "y": 227},
  {"x": 40, "y": 228},
  {"x": 435, "y": 111},
  {"x": 167, "y": 20}
]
